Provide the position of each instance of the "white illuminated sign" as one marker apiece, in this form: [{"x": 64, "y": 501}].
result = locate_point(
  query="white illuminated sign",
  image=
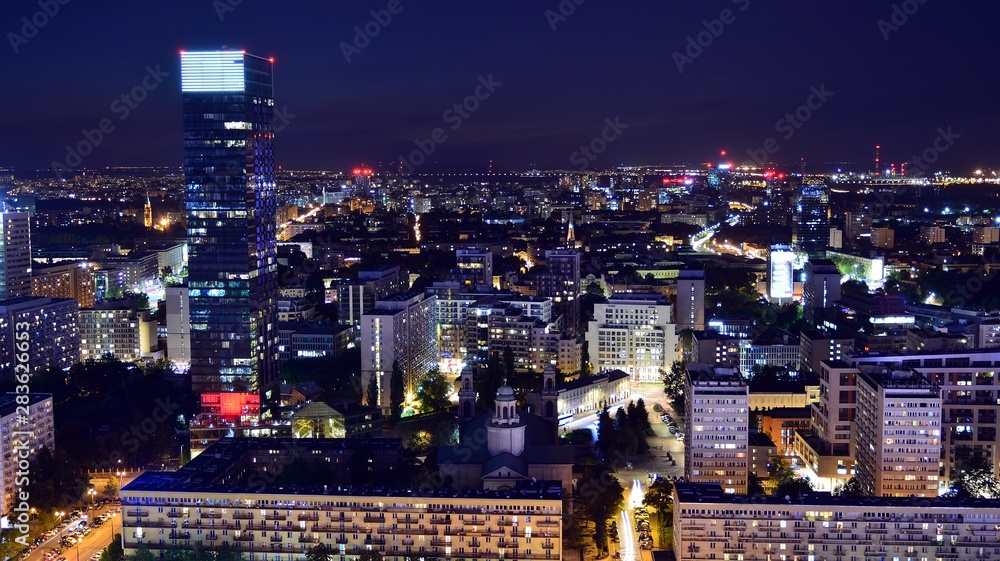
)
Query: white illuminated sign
[
  {"x": 781, "y": 273},
  {"x": 218, "y": 71}
]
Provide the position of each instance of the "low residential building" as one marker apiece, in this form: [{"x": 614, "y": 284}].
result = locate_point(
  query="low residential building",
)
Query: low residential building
[
  {"x": 301, "y": 340},
  {"x": 27, "y": 428},
  {"x": 588, "y": 395},
  {"x": 711, "y": 524},
  {"x": 765, "y": 395}
]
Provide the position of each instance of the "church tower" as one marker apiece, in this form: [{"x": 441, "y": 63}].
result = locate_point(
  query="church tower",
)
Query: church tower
[
  {"x": 505, "y": 433},
  {"x": 466, "y": 396},
  {"x": 550, "y": 396}
]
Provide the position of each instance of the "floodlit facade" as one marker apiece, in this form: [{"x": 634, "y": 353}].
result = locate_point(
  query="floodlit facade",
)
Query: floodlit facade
[{"x": 634, "y": 333}]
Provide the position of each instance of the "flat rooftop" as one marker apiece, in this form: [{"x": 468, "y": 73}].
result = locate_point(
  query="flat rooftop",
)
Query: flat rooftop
[{"x": 694, "y": 493}]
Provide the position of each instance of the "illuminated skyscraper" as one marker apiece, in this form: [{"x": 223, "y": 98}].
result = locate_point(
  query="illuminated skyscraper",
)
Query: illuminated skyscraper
[
  {"x": 15, "y": 254},
  {"x": 811, "y": 227},
  {"x": 232, "y": 267}
]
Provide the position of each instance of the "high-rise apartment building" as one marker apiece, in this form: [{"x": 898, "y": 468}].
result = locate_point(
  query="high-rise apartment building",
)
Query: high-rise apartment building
[
  {"x": 821, "y": 288},
  {"x": 66, "y": 280},
  {"x": 816, "y": 346},
  {"x": 716, "y": 411},
  {"x": 15, "y": 255},
  {"x": 179, "y": 325},
  {"x": 634, "y": 333},
  {"x": 47, "y": 327},
  {"x": 474, "y": 268},
  {"x": 690, "y": 300},
  {"x": 27, "y": 425},
  {"x": 401, "y": 329},
  {"x": 232, "y": 239},
  {"x": 811, "y": 223},
  {"x": 561, "y": 282},
  {"x": 357, "y": 297},
  {"x": 898, "y": 435},
  {"x": 883, "y": 238},
  {"x": 117, "y": 330}
]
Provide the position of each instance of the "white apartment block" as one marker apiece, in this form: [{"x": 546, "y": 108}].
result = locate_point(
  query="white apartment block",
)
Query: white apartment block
[
  {"x": 898, "y": 440},
  {"x": 178, "y": 325},
  {"x": 50, "y": 326},
  {"x": 690, "y": 300},
  {"x": 633, "y": 333},
  {"x": 401, "y": 328},
  {"x": 23, "y": 436},
  {"x": 123, "y": 333},
  {"x": 717, "y": 419},
  {"x": 710, "y": 524}
]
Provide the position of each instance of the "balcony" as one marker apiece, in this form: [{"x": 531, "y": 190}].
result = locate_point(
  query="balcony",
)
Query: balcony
[
  {"x": 175, "y": 515},
  {"x": 440, "y": 520},
  {"x": 276, "y": 517},
  {"x": 548, "y": 545},
  {"x": 210, "y": 515},
  {"x": 183, "y": 535},
  {"x": 341, "y": 540},
  {"x": 408, "y": 541},
  {"x": 160, "y": 524},
  {"x": 547, "y": 523},
  {"x": 375, "y": 518},
  {"x": 439, "y": 542},
  {"x": 137, "y": 513},
  {"x": 310, "y": 517},
  {"x": 244, "y": 538},
  {"x": 276, "y": 539},
  {"x": 242, "y": 515},
  {"x": 374, "y": 541},
  {"x": 407, "y": 520}
]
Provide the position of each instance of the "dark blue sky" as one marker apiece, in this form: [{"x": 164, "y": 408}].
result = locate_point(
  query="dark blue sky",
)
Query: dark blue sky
[{"x": 608, "y": 59}]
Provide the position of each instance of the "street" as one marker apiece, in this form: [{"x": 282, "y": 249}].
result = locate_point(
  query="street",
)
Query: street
[{"x": 94, "y": 543}]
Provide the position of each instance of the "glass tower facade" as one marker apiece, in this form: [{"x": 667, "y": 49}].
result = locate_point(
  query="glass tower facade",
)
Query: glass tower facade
[
  {"x": 232, "y": 267},
  {"x": 811, "y": 227}
]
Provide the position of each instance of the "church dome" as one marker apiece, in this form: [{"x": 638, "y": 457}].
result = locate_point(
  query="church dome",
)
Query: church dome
[{"x": 505, "y": 393}]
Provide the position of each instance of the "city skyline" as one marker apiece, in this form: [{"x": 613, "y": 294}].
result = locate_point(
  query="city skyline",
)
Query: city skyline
[{"x": 355, "y": 91}]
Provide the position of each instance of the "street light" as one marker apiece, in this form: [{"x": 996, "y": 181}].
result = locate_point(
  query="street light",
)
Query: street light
[{"x": 91, "y": 493}]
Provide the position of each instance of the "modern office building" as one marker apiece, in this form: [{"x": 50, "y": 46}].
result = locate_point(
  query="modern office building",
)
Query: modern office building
[
  {"x": 811, "y": 219},
  {"x": 232, "y": 239},
  {"x": 66, "y": 280},
  {"x": 27, "y": 426},
  {"x": 716, "y": 411},
  {"x": 15, "y": 255},
  {"x": 47, "y": 327},
  {"x": 402, "y": 328},
  {"x": 690, "y": 300},
  {"x": 711, "y": 524},
  {"x": 241, "y": 497},
  {"x": 821, "y": 289},
  {"x": 118, "y": 330},
  {"x": 179, "y": 325},
  {"x": 634, "y": 333},
  {"x": 898, "y": 435}
]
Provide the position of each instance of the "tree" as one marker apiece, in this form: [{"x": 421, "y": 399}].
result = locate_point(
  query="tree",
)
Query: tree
[
  {"x": 754, "y": 486},
  {"x": 433, "y": 392},
  {"x": 372, "y": 393},
  {"x": 508, "y": 363},
  {"x": 320, "y": 552},
  {"x": 975, "y": 478},
  {"x": 660, "y": 494},
  {"x": 607, "y": 438},
  {"x": 673, "y": 386},
  {"x": 112, "y": 487},
  {"x": 849, "y": 488},
  {"x": 57, "y": 480},
  {"x": 397, "y": 392},
  {"x": 601, "y": 496},
  {"x": 786, "y": 481},
  {"x": 595, "y": 289},
  {"x": 142, "y": 553},
  {"x": 641, "y": 416},
  {"x": 370, "y": 555},
  {"x": 114, "y": 551}
]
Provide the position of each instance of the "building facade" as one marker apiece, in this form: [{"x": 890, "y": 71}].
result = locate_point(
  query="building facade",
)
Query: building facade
[
  {"x": 47, "y": 327},
  {"x": 24, "y": 435},
  {"x": 716, "y": 411},
  {"x": 66, "y": 280},
  {"x": 690, "y": 300},
  {"x": 15, "y": 255},
  {"x": 633, "y": 333},
  {"x": 119, "y": 331}
]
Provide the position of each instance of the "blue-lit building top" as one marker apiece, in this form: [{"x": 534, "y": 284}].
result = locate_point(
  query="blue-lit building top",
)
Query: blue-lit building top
[{"x": 230, "y": 206}]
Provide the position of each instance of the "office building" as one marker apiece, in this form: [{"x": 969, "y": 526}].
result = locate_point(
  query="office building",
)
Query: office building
[
  {"x": 836, "y": 410},
  {"x": 27, "y": 426},
  {"x": 898, "y": 435},
  {"x": 811, "y": 220},
  {"x": 117, "y": 329},
  {"x": 821, "y": 289},
  {"x": 232, "y": 239},
  {"x": 241, "y": 498},
  {"x": 634, "y": 333},
  {"x": 836, "y": 238},
  {"x": 66, "y": 280},
  {"x": 716, "y": 411},
  {"x": 690, "y": 300},
  {"x": 357, "y": 297},
  {"x": 178, "y": 325},
  {"x": 782, "y": 355},
  {"x": 711, "y": 524},
  {"x": 48, "y": 326},
  {"x": 15, "y": 255},
  {"x": 298, "y": 341},
  {"x": 402, "y": 328}
]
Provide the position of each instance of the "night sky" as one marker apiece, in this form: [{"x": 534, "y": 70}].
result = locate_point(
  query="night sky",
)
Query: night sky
[{"x": 608, "y": 59}]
